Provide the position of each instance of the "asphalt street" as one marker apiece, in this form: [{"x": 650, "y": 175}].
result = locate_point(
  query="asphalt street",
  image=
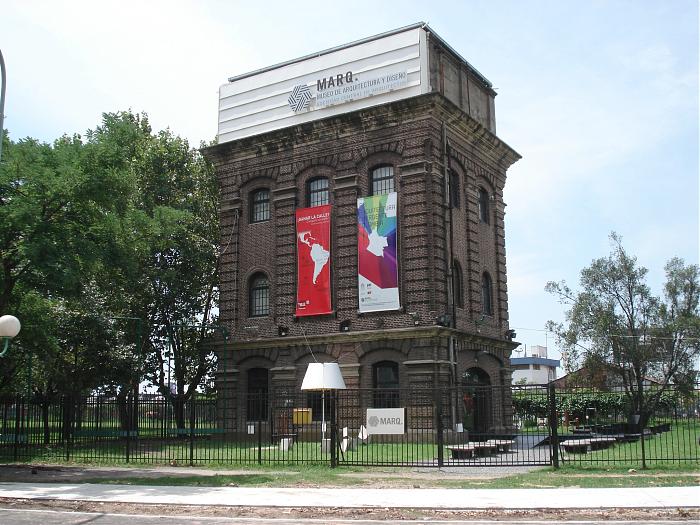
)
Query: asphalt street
[{"x": 33, "y": 517}]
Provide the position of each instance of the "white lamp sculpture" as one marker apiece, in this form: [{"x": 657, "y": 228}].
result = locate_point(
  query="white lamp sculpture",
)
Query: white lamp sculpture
[
  {"x": 322, "y": 377},
  {"x": 9, "y": 328}
]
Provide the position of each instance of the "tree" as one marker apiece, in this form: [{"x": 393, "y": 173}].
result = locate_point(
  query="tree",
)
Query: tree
[
  {"x": 166, "y": 264},
  {"x": 55, "y": 212},
  {"x": 617, "y": 325}
]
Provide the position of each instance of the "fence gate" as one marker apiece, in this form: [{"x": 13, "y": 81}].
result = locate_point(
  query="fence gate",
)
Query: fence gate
[{"x": 472, "y": 425}]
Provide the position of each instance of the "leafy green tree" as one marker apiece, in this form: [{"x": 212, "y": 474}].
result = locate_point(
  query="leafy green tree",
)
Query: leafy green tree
[
  {"x": 53, "y": 215},
  {"x": 617, "y": 325},
  {"x": 165, "y": 268}
]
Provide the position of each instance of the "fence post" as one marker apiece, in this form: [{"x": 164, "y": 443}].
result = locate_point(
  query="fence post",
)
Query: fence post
[
  {"x": 193, "y": 421},
  {"x": 642, "y": 424},
  {"x": 334, "y": 431},
  {"x": 258, "y": 429},
  {"x": 440, "y": 432},
  {"x": 553, "y": 425},
  {"x": 18, "y": 411}
]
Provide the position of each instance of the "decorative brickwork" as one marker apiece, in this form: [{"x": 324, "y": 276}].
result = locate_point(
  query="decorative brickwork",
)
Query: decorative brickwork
[{"x": 417, "y": 137}]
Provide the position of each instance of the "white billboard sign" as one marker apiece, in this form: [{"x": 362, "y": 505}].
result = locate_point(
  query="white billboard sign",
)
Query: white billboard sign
[
  {"x": 386, "y": 421},
  {"x": 368, "y": 73}
]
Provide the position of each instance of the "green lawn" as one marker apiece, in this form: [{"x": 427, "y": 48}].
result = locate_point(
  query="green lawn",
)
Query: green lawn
[{"x": 354, "y": 477}]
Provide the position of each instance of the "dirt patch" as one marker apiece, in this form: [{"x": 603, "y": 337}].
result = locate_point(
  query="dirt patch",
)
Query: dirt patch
[{"x": 344, "y": 513}]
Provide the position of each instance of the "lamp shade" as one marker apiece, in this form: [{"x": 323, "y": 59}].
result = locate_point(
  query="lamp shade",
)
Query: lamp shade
[
  {"x": 9, "y": 326},
  {"x": 323, "y": 376}
]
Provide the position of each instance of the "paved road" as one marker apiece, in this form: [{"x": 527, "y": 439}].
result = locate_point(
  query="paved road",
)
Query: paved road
[{"x": 32, "y": 517}]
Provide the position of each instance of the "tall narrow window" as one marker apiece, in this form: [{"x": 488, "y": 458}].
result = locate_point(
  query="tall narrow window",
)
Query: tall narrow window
[
  {"x": 260, "y": 206},
  {"x": 257, "y": 394},
  {"x": 386, "y": 384},
  {"x": 259, "y": 296},
  {"x": 458, "y": 285},
  {"x": 317, "y": 192},
  {"x": 382, "y": 180},
  {"x": 319, "y": 404},
  {"x": 455, "y": 200},
  {"x": 486, "y": 295},
  {"x": 484, "y": 206}
]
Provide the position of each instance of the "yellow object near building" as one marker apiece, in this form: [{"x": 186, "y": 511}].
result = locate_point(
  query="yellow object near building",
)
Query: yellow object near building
[{"x": 301, "y": 416}]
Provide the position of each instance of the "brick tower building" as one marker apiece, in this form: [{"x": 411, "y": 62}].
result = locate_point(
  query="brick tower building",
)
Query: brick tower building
[{"x": 387, "y": 147}]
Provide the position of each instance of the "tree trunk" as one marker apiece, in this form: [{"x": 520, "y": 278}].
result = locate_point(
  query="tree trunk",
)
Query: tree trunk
[
  {"x": 123, "y": 410},
  {"x": 179, "y": 409}
]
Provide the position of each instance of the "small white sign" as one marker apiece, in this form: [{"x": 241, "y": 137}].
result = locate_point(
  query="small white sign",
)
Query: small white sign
[
  {"x": 251, "y": 429},
  {"x": 386, "y": 421}
]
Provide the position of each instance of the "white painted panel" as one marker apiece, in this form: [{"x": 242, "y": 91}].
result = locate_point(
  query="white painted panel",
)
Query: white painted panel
[{"x": 384, "y": 70}]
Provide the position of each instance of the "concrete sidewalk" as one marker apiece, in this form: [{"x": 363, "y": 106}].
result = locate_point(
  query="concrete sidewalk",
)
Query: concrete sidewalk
[{"x": 559, "y": 498}]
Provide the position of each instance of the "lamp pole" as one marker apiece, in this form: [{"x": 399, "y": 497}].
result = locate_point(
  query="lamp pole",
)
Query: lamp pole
[
  {"x": 9, "y": 328},
  {"x": 2, "y": 100}
]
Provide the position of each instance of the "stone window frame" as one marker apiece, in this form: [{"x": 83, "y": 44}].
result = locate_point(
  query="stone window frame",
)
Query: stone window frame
[
  {"x": 252, "y": 306},
  {"x": 311, "y": 192},
  {"x": 380, "y": 397},
  {"x": 455, "y": 189},
  {"x": 264, "y": 408},
  {"x": 381, "y": 179},
  {"x": 487, "y": 306},
  {"x": 457, "y": 284},
  {"x": 484, "y": 205},
  {"x": 260, "y": 209}
]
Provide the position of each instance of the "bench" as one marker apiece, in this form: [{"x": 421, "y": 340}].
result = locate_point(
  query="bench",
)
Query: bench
[
  {"x": 468, "y": 450},
  {"x": 584, "y": 445},
  {"x": 502, "y": 445}
]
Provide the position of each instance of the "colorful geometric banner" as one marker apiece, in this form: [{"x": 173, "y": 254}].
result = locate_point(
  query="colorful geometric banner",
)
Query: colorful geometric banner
[
  {"x": 313, "y": 261},
  {"x": 378, "y": 269}
]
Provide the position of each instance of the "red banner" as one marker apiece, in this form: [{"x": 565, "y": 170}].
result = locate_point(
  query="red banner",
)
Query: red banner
[{"x": 313, "y": 261}]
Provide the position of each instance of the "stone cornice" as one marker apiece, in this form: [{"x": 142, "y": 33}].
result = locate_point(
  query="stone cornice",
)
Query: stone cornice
[{"x": 418, "y": 332}]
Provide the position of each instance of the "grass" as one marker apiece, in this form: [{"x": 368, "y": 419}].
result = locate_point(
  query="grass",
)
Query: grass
[{"x": 317, "y": 477}]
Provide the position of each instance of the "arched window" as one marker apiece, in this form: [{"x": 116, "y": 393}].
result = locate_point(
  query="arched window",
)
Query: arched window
[
  {"x": 317, "y": 193},
  {"x": 259, "y": 296},
  {"x": 382, "y": 180},
  {"x": 486, "y": 294},
  {"x": 385, "y": 380},
  {"x": 260, "y": 206},
  {"x": 257, "y": 394},
  {"x": 484, "y": 213},
  {"x": 455, "y": 190},
  {"x": 457, "y": 285}
]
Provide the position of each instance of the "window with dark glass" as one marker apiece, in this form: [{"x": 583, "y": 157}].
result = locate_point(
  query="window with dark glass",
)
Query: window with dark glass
[
  {"x": 257, "y": 394},
  {"x": 259, "y": 296},
  {"x": 486, "y": 294},
  {"x": 382, "y": 180},
  {"x": 457, "y": 285},
  {"x": 484, "y": 206},
  {"x": 454, "y": 189},
  {"x": 386, "y": 384},
  {"x": 318, "y": 194},
  {"x": 316, "y": 401},
  {"x": 260, "y": 206}
]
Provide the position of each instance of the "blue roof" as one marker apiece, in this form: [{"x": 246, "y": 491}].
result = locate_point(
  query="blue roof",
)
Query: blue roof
[{"x": 534, "y": 361}]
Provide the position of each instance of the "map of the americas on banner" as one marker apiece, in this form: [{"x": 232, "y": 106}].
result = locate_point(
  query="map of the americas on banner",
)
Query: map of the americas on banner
[
  {"x": 378, "y": 274},
  {"x": 313, "y": 261}
]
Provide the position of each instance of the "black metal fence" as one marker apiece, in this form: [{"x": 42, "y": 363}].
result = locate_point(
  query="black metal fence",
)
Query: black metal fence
[{"x": 465, "y": 426}]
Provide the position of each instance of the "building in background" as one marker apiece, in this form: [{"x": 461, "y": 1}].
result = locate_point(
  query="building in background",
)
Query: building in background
[
  {"x": 362, "y": 221},
  {"x": 534, "y": 369}
]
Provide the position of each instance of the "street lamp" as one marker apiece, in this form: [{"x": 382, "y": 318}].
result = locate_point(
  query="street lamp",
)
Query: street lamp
[
  {"x": 322, "y": 377},
  {"x": 9, "y": 328}
]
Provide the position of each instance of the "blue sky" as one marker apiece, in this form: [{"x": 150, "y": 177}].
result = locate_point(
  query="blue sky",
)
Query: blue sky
[{"x": 599, "y": 97}]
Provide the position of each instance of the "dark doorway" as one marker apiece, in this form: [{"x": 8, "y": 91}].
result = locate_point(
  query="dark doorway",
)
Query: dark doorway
[{"x": 476, "y": 400}]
